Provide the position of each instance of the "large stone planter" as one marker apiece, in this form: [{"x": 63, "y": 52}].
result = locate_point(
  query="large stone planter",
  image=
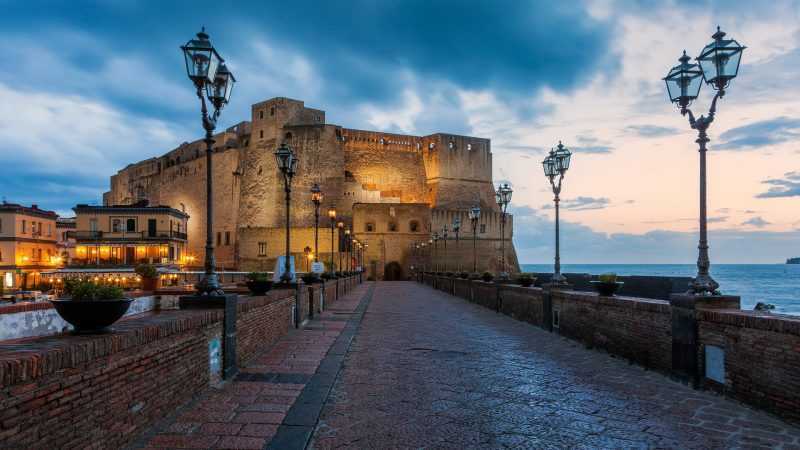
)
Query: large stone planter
[{"x": 93, "y": 316}]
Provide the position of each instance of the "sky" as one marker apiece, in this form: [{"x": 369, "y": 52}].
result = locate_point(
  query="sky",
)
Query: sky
[{"x": 89, "y": 87}]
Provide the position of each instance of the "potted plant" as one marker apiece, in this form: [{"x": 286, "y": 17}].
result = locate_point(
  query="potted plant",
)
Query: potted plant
[
  {"x": 149, "y": 276},
  {"x": 310, "y": 278},
  {"x": 91, "y": 308},
  {"x": 487, "y": 277},
  {"x": 463, "y": 275},
  {"x": 258, "y": 283},
  {"x": 526, "y": 279},
  {"x": 607, "y": 284}
]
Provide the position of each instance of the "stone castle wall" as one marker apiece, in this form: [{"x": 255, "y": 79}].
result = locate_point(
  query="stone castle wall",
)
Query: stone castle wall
[{"x": 443, "y": 171}]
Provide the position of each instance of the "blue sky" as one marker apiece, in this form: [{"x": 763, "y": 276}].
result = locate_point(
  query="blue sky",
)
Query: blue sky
[{"x": 88, "y": 87}]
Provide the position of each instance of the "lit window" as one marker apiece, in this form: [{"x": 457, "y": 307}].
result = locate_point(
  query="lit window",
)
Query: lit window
[
  {"x": 262, "y": 249},
  {"x": 469, "y": 146}
]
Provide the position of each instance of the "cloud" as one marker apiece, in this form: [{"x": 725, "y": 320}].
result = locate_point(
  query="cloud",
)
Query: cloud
[
  {"x": 760, "y": 134},
  {"x": 757, "y": 222},
  {"x": 590, "y": 144},
  {"x": 717, "y": 219},
  {"x": 782, "y": 187},
  {"x": 581, "y": 204},
  {"x": 652, "y": 131}
]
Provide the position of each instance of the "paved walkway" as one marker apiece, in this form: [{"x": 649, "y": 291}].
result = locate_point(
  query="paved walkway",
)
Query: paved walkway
[
  {"x": 247, "y": 413},
  {"x": 428, "y": 370}
]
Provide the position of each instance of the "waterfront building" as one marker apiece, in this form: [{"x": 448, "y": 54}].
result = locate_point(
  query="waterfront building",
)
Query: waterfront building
[
  {"x": 445, "y": 173},
  {"x": 65, "y": 239},
  {"x": 27, "y": 244},
  {"x": 127, "y": 235}
]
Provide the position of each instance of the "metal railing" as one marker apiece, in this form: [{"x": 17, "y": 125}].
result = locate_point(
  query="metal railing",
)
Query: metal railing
[{"x": 127, "y": 235}]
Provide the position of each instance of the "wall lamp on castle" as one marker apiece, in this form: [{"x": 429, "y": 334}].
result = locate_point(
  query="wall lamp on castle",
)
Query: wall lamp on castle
[
  {"x": 555, "y": 166},
  {"x": 717, "y": 65},
  {"x": 287, "y": 163},
  {"x": 214, "y": 82},
  {"x": 316, "y": 199},
  {"x": 503, "y": 198}
]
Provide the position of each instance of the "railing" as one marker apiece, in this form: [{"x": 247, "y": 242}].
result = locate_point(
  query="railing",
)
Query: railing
[{"x": 127, "y": 235}]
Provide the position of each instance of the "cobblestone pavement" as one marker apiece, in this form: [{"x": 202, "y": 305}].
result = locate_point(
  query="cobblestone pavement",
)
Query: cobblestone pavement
[
  {"x": 246, "y": 413},
  {"x": 428, "y": 370}
]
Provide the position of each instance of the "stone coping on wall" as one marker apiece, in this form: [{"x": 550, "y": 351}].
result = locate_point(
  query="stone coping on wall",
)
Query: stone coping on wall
[
  {"x": 23, "y": 306},
  {"x": 25, "y": 360},
  {"x": 758, "y": 320}
]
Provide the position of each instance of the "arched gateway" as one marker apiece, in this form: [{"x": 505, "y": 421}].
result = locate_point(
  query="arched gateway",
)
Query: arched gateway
[{"x": 393, "y": 272}]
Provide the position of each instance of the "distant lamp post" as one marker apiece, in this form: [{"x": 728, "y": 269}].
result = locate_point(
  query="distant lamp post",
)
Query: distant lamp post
[
  {"x": 555, "y": 166},
  {"x": 718, "y": 64},
  {"x": 316, "y": 198},
  {"x": 332, "y": 217},
  {"x": 340, "y": 226},
  {"x": 456, "y": 229},
  {"x": 208, "y": 72},
  {"x": 503, "y": 197},
  {"x": 474, "y": 217},
  {"x": 444, "y": 238},
  {"x": 287, "y": 163},
  {"x": 347, "y": 248},
  {"x": 434, "y": 240}
]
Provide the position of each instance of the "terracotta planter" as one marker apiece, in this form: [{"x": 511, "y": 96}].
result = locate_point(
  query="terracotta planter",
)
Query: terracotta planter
[{"x": 90, "y": 317}]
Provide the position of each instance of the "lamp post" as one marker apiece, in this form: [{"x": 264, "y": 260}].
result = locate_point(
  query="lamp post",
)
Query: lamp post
[
  {"x": 434, "y": 240},
  {"x": 474, "y": 216},
  {"x": 347, "y": 248},
  {"x": 208, "y": 72},
  {"x": 456, "y": 230},
  {"x": 444, "y": 238},
  {"x": 332, "y": 217},
  {"x": 316, "y": 198},
  {"x": 340, "y": 226},
  {"x": 503, "y": 197},
  {"x": 556, "y": 165},
  {"x": 717, "y": 65},
  {"x": 287, "y": 163}
]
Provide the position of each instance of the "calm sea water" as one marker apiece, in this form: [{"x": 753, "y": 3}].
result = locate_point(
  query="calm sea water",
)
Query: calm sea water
[{"x": 778, "y": 284}]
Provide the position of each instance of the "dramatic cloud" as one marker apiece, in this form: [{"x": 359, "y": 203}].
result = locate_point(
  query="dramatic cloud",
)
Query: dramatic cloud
[
  {"x": 757, "y": 222},
  {"x": 760, "y": 134},
  {"x": 652, "y": 131},
  {"x": 581, "y": 204},
  {"x": 783, "y": 187}
]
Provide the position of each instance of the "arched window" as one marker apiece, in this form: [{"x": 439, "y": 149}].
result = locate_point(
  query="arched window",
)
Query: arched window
[
  {"x": 413, "y": 226},
  {"x": 288, "y": 135},
  {"x": 392, "y": 226}
]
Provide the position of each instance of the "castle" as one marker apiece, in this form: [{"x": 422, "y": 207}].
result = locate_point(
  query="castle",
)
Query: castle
[{"x": 392, "y": 190}]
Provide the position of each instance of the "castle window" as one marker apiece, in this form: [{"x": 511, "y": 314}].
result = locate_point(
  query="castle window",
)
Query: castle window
[
  {"x": 272, "y": 111},
  {"x": 219, "y": 238},
  {"x": 382, "y": 141},
  {"x": 483, "y": 228},
  {"x": 370, "y": 227},
  {"x": 262, "y": 249},
  {"x": 392, "y": 226},
  {"x": 261, "y": 114},
  {"x": 413, "y": 226},
  {"x": 116, "y": 224},
  {"x": 227, "y": 238},
  {"x": 288, "y": 136},
  {"x": 130, "y": 225},
  {"x": 261, "y": 134},
  {"x": 431, "y": 145}
]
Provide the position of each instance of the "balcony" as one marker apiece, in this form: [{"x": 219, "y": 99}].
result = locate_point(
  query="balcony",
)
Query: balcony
[{"x": 120, "y": 236}]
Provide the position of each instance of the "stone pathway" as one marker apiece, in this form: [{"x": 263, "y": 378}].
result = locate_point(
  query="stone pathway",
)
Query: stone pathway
[
  {"x": 247, "y": 413},
  {"x": 428, "y": 370}
]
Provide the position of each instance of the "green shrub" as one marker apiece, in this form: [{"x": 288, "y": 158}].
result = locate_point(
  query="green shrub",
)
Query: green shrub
[
  {"x": 608, "y": 278},
  {"x": 463, "y": 275},
  {"x": 146, "y": 271},
  {"x": 525, "y": 279},
  {"x": 258, "y": 276},
  {"x": 487, "y": 276},
  {"x": 88, "y": 291}
]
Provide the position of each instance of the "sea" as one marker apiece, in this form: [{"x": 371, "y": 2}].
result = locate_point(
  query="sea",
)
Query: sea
[{"x": 776, "y": 284}]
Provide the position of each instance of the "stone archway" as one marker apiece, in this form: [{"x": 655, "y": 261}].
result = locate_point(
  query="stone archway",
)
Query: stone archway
[{"x": 393, "y": 272}]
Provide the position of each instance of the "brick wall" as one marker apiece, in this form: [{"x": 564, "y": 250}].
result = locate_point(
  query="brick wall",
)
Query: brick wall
[
  {"x": 261, "y": 321},
  {"x": 761, "y": 355}
]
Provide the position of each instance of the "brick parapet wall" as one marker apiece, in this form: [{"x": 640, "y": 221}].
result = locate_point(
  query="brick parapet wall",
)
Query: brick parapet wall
[
  {"x": 761, "y": 355},
  {"x": 761, "y": 350},
  {"x": 100, "y": 391}
]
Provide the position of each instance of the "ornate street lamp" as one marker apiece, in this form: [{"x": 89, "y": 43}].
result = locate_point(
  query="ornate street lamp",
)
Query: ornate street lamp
[
  {"x": 348, "y": 249},
  {"x": 718, "y": 64},
  {"x": 503, "y": 197},
  {"x": 434, "y": 240},
  {"x": 456, "y": 229},
  {"x": 208, "y": 72},
  {"x": 556, "y": 165},
  {"x": 316, "y": 199},
  {"x": 474, "y": 217},
  {"x": 287, "y": 163},
  {"x": 340, "y": 226},
  {"x": 332, "y": 217}
]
